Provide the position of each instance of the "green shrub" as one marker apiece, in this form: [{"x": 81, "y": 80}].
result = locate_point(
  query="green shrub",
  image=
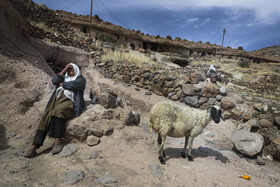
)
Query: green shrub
[
  {"x": 184, "y": 55},
  {"x": 106, "y": 38},
  {"x": 240, "y": 48},
  {"x": 244, "y": 63}
]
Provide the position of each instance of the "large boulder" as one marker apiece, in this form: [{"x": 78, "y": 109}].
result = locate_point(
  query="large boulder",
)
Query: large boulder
[
  {"x": 228, "y": 103},
  {"x": 188, "y": 89},
  {"x": 192, "y": 101},
  {"x": 107, "y": 100},
  {"x": 248, "y": 144},
  {"x": 209, "y": 91},
  {"x": 197, "y": 76},
  {"x": 98, "y": 121}
]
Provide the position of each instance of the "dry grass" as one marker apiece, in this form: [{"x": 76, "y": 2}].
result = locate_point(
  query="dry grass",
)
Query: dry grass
[
  {"x": 231, "y": 66},
  {"x": 132, "y": 57}
]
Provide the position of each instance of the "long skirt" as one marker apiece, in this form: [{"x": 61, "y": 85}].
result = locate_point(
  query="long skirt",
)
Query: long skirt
[{"x": 54, "y": 119}]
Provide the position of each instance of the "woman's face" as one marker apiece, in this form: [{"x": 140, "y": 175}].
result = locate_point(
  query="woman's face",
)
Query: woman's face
[{"x": 71, "y": 71}]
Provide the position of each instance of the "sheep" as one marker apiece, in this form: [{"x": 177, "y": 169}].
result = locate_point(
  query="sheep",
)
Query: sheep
[{"x": 170, "y": 119}]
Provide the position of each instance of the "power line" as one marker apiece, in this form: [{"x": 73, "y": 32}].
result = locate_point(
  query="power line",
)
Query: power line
[
  {"x": 68, "y": 7},
  {"x": 113, "y": 15}
]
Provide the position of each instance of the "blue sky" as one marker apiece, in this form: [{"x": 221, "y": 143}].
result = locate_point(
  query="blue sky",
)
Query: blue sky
[{"x": 253, "y": 24}]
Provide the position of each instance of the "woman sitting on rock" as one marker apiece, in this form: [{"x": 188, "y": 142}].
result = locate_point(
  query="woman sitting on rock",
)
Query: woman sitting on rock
[
  {"x": 65, "y": 103},
  {"x": 212, "y": 74}
]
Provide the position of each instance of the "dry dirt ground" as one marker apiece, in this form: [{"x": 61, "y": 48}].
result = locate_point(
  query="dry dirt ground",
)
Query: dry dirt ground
[{"x": 126, "y": 155}]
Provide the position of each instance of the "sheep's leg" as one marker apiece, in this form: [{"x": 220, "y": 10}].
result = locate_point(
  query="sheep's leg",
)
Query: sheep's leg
[
  {"x": 161, "y": 152},
  {"x": 186, "y": 143},
  {"x": 190, "y": 158},
  {"x": 159, "y": 143}
]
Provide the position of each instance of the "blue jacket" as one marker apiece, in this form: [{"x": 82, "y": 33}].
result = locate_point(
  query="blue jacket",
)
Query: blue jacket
[{"x": 77, "y": 86}]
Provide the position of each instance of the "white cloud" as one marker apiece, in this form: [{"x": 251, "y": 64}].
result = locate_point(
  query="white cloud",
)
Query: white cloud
[
  {"x": 267, "y": 11},
  {"x": 192, "y": 20}
]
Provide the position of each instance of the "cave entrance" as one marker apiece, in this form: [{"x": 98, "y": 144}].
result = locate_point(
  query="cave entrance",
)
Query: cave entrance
[
  {"x": 145, "y": 45},
  {"x": 84, "y": 29},
  {"x": 154, "y": 48},
  {"x": 132, "y": 46}
]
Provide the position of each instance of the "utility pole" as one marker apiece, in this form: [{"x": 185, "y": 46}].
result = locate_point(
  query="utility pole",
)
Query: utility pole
[
  {"x": 90, "y": 19},
  {"x": 224, "y": 33}
]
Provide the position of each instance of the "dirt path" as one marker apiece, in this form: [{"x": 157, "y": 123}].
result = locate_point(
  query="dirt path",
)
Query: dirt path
[{"x": 127, "y": 154}]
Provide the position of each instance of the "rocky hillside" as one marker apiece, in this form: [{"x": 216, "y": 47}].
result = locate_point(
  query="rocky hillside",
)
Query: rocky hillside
[{"x": 273, "y": 50}]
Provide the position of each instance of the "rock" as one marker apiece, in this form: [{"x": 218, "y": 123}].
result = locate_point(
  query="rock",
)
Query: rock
[
  {"x": 136, "y": 120},
  {"x": 223, "y": 91},
  {"x": 198, "y": 87},
  {"x": 188, "y": 89},
  {"x": 120, "y": 102},
  {"x": 108, "y": 130},
  {"x": 228, "y": 103},
  {"x": 253, "y": 122},
  {"x": 67, "y": 151},
  {"x": 202, "y": 100},
  {"x": 209, "y": 91},
  {"x": 174, "y": 98},
  {"x": 277, "y": 121},
  {"x": 226, "y": 115},
  {"x": 219, "y": 98},
  {"x": 92, "y": 140},
  {"x": 169, "y": 95},
  {"x": 248, "y": 144},
  {"x": 237, "y": 112},
  {"x": 107, "y": 100},
  {"x": 265, "y": 123},
  {"x": 106, "y": 179},
  {"x": 137, "y": 89},
  {"x": 192, "y": 101},
  {"x": 260, "y": 160},
  {"x": 246, "y": 116},
  {"x": 127, "y": 117},
  {"x": 73, "y": 176},
  {"x": 276, "y": 148},
  {"x": 155, "y": 168},
  {"x": 94, "y": 171},
  {"x": 148, "y": 93},
  {"x": 262, "y": 107},
  {"x": 244, "y": 127},
  {"x": 266, "y": 116},
  {"x": 197, "y": 76}
]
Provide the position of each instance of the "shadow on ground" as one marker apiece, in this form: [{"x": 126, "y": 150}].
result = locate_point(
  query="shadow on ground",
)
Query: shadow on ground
[{"x": 201, "y": 152}]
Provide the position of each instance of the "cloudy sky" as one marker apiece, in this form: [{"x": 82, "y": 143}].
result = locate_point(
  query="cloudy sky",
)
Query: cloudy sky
[{"x": 253, "y": 24}]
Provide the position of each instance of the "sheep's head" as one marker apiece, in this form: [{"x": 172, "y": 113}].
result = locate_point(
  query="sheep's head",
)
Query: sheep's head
[{"x": 216, "y": 113}]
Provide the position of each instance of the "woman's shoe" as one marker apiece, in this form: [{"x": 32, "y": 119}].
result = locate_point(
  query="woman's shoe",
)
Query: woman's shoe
[
  {"x": 30, "y": 153},
  {"x": 57, "y": 148}
]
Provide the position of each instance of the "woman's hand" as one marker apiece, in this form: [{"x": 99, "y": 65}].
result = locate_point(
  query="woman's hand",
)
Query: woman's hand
[
  {"x": 65, "y": 69},
  {"x": 60, "y": 85}
]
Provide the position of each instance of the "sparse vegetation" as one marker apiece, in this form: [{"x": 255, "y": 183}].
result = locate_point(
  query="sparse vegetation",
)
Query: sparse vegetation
[
  {"x": 184, "y": 55},
  {"x": 106, "y": 38},
  {"x": 169, "y": 37},
  {"x": 244, "y": 63},
  {"x": 132, "y": 57}
]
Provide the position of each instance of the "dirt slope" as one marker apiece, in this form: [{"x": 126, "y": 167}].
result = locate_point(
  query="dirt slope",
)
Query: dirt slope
[{"x": 128, "y": 152}]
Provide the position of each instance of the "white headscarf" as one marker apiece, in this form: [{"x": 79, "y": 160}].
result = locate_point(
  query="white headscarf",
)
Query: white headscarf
[
  {"x": 212, "y": 67},
  {"x": 67, "y": 78}
]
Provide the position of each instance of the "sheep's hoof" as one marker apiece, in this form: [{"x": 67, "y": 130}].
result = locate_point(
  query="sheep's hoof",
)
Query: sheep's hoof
[
  {"x": 190, "y": 158},
  {"x": 184, "y": 155},
  {"x": 161, "y": 160}
]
